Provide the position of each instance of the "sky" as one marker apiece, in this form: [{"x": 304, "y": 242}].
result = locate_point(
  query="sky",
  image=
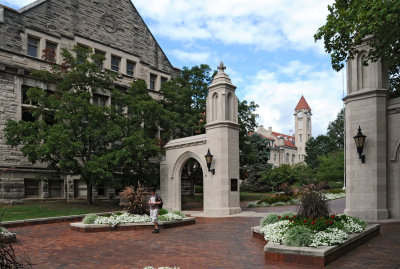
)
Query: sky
[{"x": 267, "y": 46}]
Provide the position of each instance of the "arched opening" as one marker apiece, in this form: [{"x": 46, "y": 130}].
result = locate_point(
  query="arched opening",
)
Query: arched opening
[
  {"x": 192, "y": 186},
  {"x": 228, "y": 108},
  {"x": 214, "y": 107}
]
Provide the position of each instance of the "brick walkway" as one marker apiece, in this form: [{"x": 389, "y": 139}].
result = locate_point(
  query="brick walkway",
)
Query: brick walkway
[{"x": 211, "y": 243}]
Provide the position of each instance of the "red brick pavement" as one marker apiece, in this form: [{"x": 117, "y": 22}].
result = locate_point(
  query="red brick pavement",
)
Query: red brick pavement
[{"x": 210, "y": 243}]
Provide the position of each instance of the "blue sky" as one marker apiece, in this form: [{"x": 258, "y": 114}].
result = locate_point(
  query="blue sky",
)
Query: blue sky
[{"x": 267, "y": 46}]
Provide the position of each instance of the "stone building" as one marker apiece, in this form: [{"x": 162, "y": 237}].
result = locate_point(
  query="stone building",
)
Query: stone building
[
  {"x": 372, "y": 184},
  {"x": 113, "y": 28},
  {"x": 290, "y": 149}
]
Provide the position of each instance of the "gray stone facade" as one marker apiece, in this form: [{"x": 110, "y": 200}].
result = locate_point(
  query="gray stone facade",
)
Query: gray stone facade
[
  {"x": 111, "y": 27},
  {"x": 373, "y": 187}
]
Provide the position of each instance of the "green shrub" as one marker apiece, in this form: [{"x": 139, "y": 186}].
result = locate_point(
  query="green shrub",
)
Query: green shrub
[
  {"x": 335, "y": 191},
  {"x": 89, "y": 219},
  {"x": 288, "y": 215},
  {"x": 275, "y": 199},
  {"x": 179, "y": 213},
  {"x": 313, "y": 205},
  {"x": 271, "y": 218},
  {"x": 335, "y": 184},
  {"x": 162, "y": 211},
  {"x": 119, "y": 213},
  {"x": 298, "y": 236},
  {"x": 198, "y": 189}
]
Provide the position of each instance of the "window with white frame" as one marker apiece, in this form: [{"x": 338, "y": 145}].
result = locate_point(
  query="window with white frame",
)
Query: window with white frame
[
  {"x": 99, "y": 63},
  {"x": 100, "y": 100},
  {"x": 33, "y": 46},
  {"x": 130, "y": 68},
  {"x": 153, "y": 79},
  {"x": 115, "y": 63}
]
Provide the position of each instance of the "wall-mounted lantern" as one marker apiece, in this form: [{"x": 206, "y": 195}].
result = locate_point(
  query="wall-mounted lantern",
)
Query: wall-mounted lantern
[
  {"x": 209, "y": 158},
  {"x": 360, "y": 140}
]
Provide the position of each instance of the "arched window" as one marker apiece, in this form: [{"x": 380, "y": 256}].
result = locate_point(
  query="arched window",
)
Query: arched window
[
  {"x": 228, "y": 108},
  {"x": 293, "y": 156},
  {"x": 287, "y": 157},
  {"x": 215, "y": 107}
]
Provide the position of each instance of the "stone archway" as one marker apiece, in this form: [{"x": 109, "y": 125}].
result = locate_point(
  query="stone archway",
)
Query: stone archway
[
  {"x": 192, "y": 186},
  {"x": 220, "y": 187}
]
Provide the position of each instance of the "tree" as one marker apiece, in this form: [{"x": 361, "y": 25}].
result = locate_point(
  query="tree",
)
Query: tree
[
  {"x": 75, "y": 132},
  {"x": 331, "y": 167},
  {"x": 352, "y": 22},
  {"x": 318, "y": 146},
  {"x": 336, "y": 130}
]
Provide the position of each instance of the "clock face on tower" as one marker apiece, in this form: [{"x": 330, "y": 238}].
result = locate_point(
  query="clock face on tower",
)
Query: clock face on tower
[{"x": 300, "y": 114}]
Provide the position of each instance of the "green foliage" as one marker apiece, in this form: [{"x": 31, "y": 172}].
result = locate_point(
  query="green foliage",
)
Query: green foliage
[
  {"x": 138, "y": 200},
  {"x": 340, "y": 190},
  {"x": 198, "y": 189},
  {"x": 76, "y": 136},
  {"x": 318, "y": 146},
  {"x": 331, "y": 167},
  {"x": 275, "y": 199},
  {"x": 162, "y": 211},
  {"x": 287, "y": 215},
  {"x": 336, "y": 130},
  {"x": 179, "y": 213},
  {"x": 350, "y": 22},
  {"x": 313, "y": 205},
  {"x": 287, "y": 174},
  {"x": 269, "y": 219},
  {"x": 298, "y": 236},
  {"x": 89, "y": 219}
]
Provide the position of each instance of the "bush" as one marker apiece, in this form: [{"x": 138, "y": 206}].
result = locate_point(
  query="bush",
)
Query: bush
[
  {"x": 179, "y": 213},
  {"x": 298, "y": 236},
  {"x": 137, "y": 198},
  {"x": 313, "y": 205},
  {"x": 162, "y": 211},
  {"x": 288, "y": 215},
  {"x": 275, "y": 199},
  {"x": 272, "y": 218},
  {"x": 198, "y": 189},
  {"x": 322, "y": 186},
  {"x": 336, "y": 184},
  {"x": 285, "y": 187},
  {"x": 334, "y": 191},
  {"x": 89, "y": 219}
]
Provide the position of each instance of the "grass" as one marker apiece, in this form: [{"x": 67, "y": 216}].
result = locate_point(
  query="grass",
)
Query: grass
[
  {"x": 43, "y": 209},
  {"x": 252, "y": 196}
]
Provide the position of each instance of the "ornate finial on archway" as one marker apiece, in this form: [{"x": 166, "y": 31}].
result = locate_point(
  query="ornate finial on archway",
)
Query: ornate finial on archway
[{"x": 221, "y": 67}]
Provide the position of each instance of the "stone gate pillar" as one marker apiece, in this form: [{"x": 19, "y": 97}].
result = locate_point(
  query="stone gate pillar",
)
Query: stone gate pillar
[
  {"x": 222, "y": 131},
  {"x": 366, "y": 104}
]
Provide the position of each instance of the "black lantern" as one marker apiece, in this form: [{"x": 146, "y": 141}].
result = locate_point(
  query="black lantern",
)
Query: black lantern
[
  {"x": 360, "y": 140},
  {"x": 209, "y": 158}
]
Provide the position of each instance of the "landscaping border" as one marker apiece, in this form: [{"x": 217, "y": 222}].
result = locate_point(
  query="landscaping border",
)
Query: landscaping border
[
  {"x": 319, "y": 256},
  {"x": 49, "y": 220},
  {"x": 94, "y": 228}
]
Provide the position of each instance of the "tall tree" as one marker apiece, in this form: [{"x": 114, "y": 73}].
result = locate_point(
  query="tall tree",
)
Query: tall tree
[
  {"x": 336, "y": 129},
  {"x": 318, "y": 146},
  {"x": 352, "y": 22},
  {"x": 78, "y": 132}
]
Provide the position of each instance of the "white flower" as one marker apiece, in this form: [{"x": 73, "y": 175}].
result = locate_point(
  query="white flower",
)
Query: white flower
[
  {"x": 274, "y": 232},
  {"x": 114, "y": 220},
  {"x": 170, "y": 216},
  {"x": 351, "y": 226},
  {"x": 334, "y": 196},
  {"x": 329, "y": 237}
]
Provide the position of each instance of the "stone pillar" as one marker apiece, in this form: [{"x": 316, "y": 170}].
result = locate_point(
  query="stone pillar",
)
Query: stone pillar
[
  {"x": 222, "y": 132},
  {"x": 366, "y": 103}
]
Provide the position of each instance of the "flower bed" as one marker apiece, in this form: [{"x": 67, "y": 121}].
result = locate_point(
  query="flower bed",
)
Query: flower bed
[
  {"x": 126, "y": 221},
  {"x": 309, "y": 232},
  {"x": 293, "y": 201},
  {"x": 6, "y": 236}
]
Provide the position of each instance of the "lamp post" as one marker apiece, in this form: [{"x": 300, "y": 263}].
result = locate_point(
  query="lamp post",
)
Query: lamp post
[
  {"x": 209, "y": 158},
  {"x": 359, "y": 139}
]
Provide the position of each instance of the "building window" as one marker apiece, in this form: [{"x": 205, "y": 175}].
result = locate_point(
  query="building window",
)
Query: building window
[
  {"x": 299, "y": 158},
  {"x": 27, "y": 115},
  {"x": 287, "y": 157},
  {"x": 31, "y": 188},
  {"x": 130, "y": 68},
  {"x": 99, "y": 62},
  {"x": 50, "y": 52},
  {"x": 308, "y": 124},
  {"x": 153, "y": 79},
  {"x": 115, "y": 62},
  {"x": 301, "y": 137},
  {"x": 81, "y": 53},
  {"x": 80, "y": 188},
  {"x": 275, "y": 157},
  {"x": 101, "y": 190},
  {"x": 33, "y": 46},
  {"x": 293, "y": 157},
  {"x": 55, "y": 188},
  {"x": 100, "y": 100},
  {"x": 163, "y": 80}
]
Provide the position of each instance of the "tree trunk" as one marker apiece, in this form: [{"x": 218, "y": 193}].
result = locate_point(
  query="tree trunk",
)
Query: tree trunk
[{"x": 89, "y": 194}]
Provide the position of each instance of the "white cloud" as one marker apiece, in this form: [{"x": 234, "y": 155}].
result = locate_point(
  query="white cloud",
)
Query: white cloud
[
  {"x": 267, "y": 24},
  {"x": 277, "y": 99},
  {"x": 194, "y": 57}
]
